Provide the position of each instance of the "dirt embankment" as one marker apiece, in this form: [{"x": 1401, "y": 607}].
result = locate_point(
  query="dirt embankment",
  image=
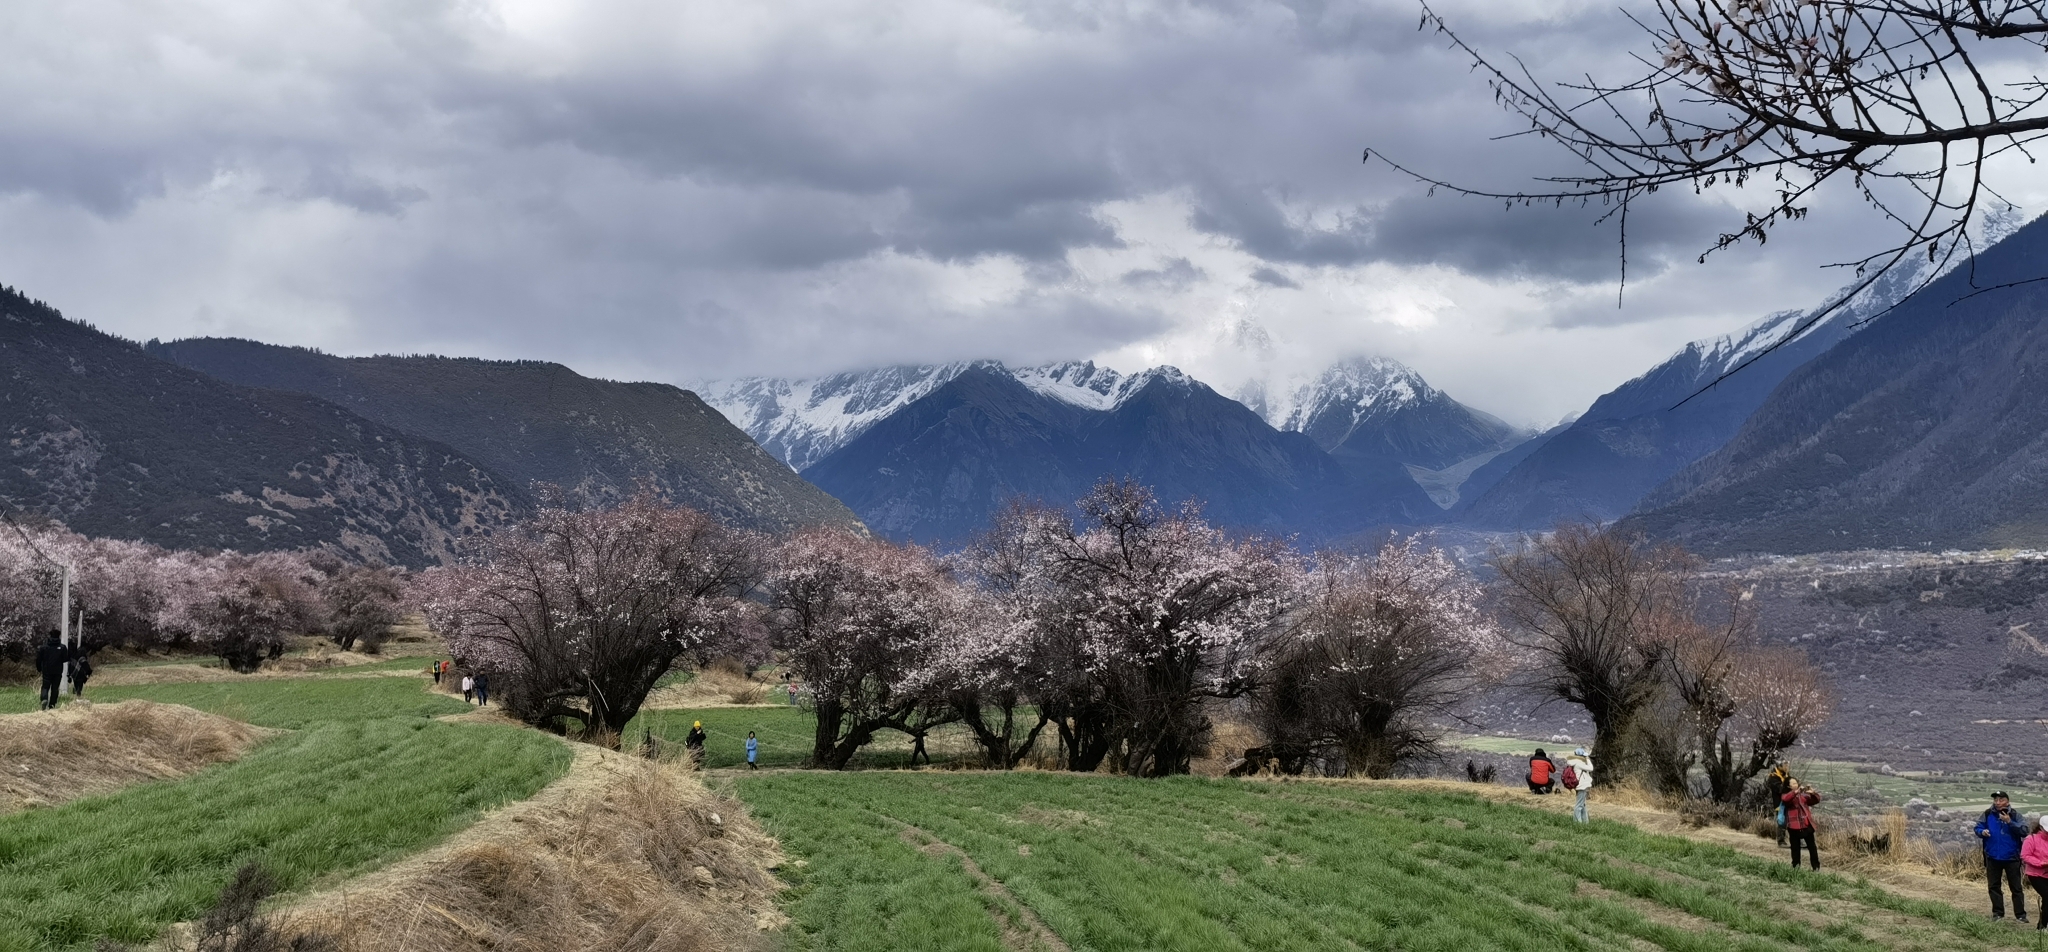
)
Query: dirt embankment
[
  {"x": 620, "y": 854},
  {"x": 83, "y": 749}
]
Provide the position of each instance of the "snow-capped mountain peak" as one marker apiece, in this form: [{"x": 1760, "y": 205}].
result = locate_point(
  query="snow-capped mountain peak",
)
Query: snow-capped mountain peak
[
  {"x": 801, "y": 421},
  {"x": 1078, "y": 382},
  {"x": 1353, "y": 389}
]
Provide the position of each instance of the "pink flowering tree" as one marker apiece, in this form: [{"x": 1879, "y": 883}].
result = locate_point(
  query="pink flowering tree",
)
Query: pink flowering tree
[
  {"x": 241, "y": 608},
  {"x": 862, "y": 622},
  {"x": 1158, "y": 614},
  {"x": 359, "y": 604},
  {"x": 1020, "y": 667},
  {"x": 578, "y": 613},
  {"x": 1377, "y": 648}
]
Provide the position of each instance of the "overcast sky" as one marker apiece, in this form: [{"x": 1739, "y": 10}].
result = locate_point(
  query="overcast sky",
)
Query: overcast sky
[{"x": 677, "y": 190}]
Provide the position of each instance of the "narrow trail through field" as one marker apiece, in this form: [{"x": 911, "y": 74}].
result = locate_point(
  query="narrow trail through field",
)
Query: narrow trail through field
[{"x": 1022, "y": 929}]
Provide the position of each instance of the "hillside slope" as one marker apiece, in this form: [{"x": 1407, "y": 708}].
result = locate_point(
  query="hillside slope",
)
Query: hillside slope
[
  {"x": 1927, "y": 429},
  {"x": 115, "y": 442},
  {"x": 538, "y": 422},
  {"x": 1643, "y": 432},
  {"x": 937, "y": 469}
]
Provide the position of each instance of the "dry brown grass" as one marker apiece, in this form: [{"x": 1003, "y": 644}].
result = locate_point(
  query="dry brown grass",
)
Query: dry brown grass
[
  {"x": 716, "y": 686},
  {"x": 621, "y": 854},
  {"x": 84, "y": 749}
]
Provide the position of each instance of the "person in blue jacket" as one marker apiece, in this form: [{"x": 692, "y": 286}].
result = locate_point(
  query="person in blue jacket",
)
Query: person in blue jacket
[
  {"x": 753, "y": 749},
  {"x": 2002, "y": 830}
]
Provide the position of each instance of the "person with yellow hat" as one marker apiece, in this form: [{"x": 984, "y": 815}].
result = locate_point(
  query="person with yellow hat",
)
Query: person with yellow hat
[{"x": 695, "y": 743}]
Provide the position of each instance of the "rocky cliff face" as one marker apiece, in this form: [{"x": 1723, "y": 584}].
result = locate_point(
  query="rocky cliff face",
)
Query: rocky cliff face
[
  {"x": 115, "y": 442},
  {"x": 534, "y": 422}
]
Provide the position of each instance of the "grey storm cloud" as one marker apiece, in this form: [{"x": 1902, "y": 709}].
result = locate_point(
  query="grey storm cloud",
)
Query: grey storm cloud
[{"x": 682, "y": 190}]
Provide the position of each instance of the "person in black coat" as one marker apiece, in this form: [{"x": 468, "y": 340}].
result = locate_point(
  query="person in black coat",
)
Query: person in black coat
[
  {"x": 81, "y": 669},
  {"x": 50, "y": 660}
]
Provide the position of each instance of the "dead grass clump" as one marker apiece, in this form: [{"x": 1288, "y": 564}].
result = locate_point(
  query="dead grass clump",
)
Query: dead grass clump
[
  {"x": 1632, "y": 794},
  {"x": 14, "y": 672},
  {"x": 630, "y": 855},
  {"x": 715, "y": 686},
  {"x": 235, "y": 924},
  {"x": 1884, "y": 845},
  {"x": 84, "y": 749}
]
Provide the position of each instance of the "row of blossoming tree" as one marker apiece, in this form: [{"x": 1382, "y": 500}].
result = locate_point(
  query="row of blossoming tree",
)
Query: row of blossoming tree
[
  {"x": 238, "y": 607},
  {"x": 1111, "y": 634}
]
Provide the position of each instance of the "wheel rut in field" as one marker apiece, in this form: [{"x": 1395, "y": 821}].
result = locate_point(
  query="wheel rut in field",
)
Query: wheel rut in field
[{"x": 1023, "y": 931}]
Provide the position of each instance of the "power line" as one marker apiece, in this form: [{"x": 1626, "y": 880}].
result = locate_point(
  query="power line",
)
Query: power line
[{"x": 33, "y": 547}]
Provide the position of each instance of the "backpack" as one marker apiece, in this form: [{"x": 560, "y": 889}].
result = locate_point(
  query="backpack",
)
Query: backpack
[{"x": 1570, "y": 777}]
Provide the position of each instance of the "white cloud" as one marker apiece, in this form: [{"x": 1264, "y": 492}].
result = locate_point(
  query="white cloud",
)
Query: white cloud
[{"x": 681, "y": 190}]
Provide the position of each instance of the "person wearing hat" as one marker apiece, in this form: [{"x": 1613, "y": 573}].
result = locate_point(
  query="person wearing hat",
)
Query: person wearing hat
[
  {"x": 2002, "y": 830},
  {"x": 50, "y": 661},
  {"x": 1577, "y": 776},
  {"x": 694, "y": 743},
  {"x": 1776, "y": 786}
]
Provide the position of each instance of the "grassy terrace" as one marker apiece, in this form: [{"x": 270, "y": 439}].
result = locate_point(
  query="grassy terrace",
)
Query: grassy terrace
[
  {"x": 786, "y": 735},
  {"x": 365, "y": 777},
  {"x": 1189, "y": 864},
  {"x": 290, "y": 703}
]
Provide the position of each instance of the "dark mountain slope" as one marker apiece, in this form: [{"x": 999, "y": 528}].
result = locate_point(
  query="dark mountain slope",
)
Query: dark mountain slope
[
  {"x": 533, "y": 421},
  {"x": 115, "y": 442},
  {"x": 1187, "y": 441},
  {"x": 1638, "y": 435},
  {"x": 937, "y": 470},
  {"x": 1928, "y": 428}
]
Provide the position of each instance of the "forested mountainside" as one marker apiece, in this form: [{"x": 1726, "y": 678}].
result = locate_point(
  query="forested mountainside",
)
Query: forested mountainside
[
  {"x": 116, "y": 442},
  {"x": 1927, "y": 429},
  {"x": 538, "y": 422},
  {"x": 937, "y": 469}
]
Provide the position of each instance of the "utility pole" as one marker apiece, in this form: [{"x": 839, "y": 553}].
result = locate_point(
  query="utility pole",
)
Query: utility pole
[{"x": 64, "y": 627}]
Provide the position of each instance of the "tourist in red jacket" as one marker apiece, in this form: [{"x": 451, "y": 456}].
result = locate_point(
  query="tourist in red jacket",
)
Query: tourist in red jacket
[{"x": 1799, "y": 803}]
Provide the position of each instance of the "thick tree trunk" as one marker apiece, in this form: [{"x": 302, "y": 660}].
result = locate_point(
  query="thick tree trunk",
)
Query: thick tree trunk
[{"x": 825, "y": 739}]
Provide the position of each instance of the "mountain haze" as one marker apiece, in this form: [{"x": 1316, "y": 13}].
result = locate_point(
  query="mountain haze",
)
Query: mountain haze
[{"x": 1368, "y": 410}]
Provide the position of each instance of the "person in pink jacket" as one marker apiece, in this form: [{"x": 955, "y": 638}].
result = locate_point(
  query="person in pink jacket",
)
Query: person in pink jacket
[{"x": 2034, "y": 861}]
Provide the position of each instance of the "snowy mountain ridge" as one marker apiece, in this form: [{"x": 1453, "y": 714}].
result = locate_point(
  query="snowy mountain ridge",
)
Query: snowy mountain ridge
[
  {"x": 801, "y": 421},
  {"x": 1353, "y": 389}
]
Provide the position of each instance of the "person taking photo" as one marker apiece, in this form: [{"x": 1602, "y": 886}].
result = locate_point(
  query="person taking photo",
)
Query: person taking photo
[{"x": 2001, "y": 830}]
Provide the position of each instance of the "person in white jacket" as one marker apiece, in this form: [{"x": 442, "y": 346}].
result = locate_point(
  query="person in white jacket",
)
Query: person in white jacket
[{"x": 1580, "y": 764}]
